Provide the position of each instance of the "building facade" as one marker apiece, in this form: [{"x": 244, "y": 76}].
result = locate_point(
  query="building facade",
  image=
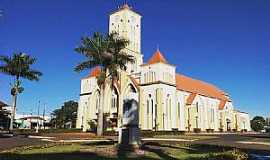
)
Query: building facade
[
  {"x": 5, "y": 113},
  {"x": 167, "y": 100}
]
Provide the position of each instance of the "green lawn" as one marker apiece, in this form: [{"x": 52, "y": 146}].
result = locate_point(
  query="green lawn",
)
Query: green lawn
[{"x": 102, "y": 151}]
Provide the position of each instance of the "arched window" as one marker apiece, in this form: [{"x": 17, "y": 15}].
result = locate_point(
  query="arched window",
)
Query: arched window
[
  {"x": 147, "y": 107},
  {"x": 145, "y": 78},
  {"x": 97, "y": 99},
  {"x": 148, "y": 104},
  {"x": 212, "y": 115},
  {"x": 178, "y": 113},
  {"x": 152, "y": 106},
  {"x": 170, "y": 107},
  {"x": 114, "y": 98}
]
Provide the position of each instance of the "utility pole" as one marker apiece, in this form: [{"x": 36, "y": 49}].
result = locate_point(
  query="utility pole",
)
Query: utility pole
[
  {"x": 38, "y": 118},
  {"x": 31, "y": 118},
  {"x": 44, "y": 109}
]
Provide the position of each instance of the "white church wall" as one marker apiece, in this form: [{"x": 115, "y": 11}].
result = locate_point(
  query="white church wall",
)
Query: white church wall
[
  {"x": 227, "y": 115},
  {"x": 204, "y": 113},
  {"x": 158, "y": 72},
  {"x": 83, "y": 108},
  {"x": 181, "y": 99},
  {"x": 149, "y": 95},
  {"x": 213, "y": 114},
  {"x": 168, "y": 106},
  {"x": 243, "y": 121}
]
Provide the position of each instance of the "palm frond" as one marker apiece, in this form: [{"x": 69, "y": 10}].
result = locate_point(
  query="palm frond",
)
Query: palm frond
[
  {"x": 31, "y": 75},
  {"x": 4, "y": 59},
  {"x": 86, "y": 65},
  {"x": 19, "y": 65},
  {"x": 105, "y": 51}
]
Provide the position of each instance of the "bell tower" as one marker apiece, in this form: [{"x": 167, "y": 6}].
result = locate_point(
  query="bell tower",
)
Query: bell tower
[{"x": 127, "y": 23}]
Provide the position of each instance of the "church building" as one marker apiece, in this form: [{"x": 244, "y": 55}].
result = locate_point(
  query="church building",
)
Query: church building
[{"x": 167, "y": 101}]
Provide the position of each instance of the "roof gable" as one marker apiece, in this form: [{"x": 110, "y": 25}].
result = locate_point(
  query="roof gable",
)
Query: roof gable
[{"x": 157, "y": 58}]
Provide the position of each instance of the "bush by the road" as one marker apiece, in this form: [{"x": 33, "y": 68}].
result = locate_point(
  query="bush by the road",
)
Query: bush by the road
[{"x": 230, "y": 155}]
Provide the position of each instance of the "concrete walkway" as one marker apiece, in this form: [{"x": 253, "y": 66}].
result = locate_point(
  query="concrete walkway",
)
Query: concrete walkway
[
  {"x": 168, "y": 139},
  {"x": 78, "y": 140},
  {"x": 52, "y": 139},
  {"x": 259, "y": 143}
]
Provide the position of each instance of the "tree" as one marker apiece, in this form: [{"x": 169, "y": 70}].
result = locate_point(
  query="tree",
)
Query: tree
[
  {"x": 66, "y": 114},
  {"x": 19, "y": 66},
  {"x": 257, "y": 123},
  {"x": 105, "y": 51}
]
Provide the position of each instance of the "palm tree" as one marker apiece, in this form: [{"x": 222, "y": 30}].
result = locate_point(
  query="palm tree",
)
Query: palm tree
[
  {"x": 19, "y": 66},
  {"x": 106, "y": 52}
]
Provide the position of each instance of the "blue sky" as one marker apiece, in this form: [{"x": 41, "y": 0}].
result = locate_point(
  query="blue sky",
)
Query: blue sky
[{"x": 226, "y": 43}]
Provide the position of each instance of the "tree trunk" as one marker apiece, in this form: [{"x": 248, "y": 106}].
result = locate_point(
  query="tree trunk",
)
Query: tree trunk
[
  {"x": 13, "y": 110},
  {"x": 100, "y": 111}
]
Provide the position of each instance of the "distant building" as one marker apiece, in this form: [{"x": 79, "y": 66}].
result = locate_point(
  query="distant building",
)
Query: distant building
[
  {"x": 166, "y": 100},
  {"x": 31, "y": 121},
  {"x": 3, "y": 105},
  {"x": 4, "y": 115}
]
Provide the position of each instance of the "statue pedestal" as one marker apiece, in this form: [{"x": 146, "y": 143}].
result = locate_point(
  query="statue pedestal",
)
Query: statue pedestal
[
  {"x": 130, "y": 132},
  {"x": 130, "y": 135}
]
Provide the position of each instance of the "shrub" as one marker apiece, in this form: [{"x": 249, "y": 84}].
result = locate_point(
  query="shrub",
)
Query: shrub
[
  {"x": 149, "y": 133},
  {"x": 230, "y": 155},
  {"x": 257, "y": 123},
  {"x": 197, "y": 130},
  {"x": 209, "y": 130},
  {"x": 110, "y": 133},
  {"x": 93, "y": 125}
]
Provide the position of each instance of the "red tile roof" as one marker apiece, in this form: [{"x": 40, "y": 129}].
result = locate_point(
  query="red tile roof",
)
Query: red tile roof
[
  {"x": 191, "y": 98},
  {"x": 94, "y": 72},
  {"x": 222, "y": 104},
  {"x": 157, "y": 58},
  {"x": 199, "y": 87}
]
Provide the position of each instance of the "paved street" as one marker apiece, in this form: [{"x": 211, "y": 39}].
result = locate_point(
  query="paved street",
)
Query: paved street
[
  {"x": 237, "y": 141},
  {"x": 18, "y": 141}
]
